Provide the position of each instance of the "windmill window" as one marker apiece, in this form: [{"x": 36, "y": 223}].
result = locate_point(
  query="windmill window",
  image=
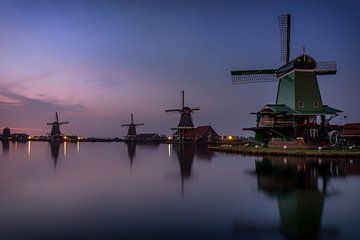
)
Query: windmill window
[
  {"x": 301, "y": 104},
  {"x": 316, "y": 104},
  {"x": 309, "y": 60},
  {"x": 314, "y": 133}
]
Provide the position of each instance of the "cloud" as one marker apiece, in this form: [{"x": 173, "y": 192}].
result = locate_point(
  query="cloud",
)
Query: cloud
[{"x": 14, "y": 100}]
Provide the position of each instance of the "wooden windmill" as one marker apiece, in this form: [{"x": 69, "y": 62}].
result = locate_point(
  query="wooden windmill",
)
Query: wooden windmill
[
  {"x": 131, "y": 134},
  {"x": 186, "y": 122},
  {"x": 298, "y": 99},
  {"x": 55, "y": 133}
]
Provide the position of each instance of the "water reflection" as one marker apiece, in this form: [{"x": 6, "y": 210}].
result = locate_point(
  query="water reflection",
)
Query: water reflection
[
  {"x": 55, "y": 147},
  {"x": 132, "y": 146},
  {"x": 5, "y": 147},
  {"x": 185, "y": 154},
  {"x": 300, "y": 187},
  {"x": 131, "y": 150}
]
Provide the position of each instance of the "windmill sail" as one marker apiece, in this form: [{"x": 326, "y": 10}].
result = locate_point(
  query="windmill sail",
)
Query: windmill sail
[
  {"x": 284, "y": 24},
  {"x": 326, "y": 68},
  {"x": 253, "y": 76}
]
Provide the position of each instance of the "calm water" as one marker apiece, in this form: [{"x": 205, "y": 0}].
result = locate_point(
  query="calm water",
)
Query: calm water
[{"x": 119, "y": 191}]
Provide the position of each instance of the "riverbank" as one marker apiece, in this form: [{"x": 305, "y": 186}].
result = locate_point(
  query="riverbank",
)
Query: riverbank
[{"x": 263, "y": 151}]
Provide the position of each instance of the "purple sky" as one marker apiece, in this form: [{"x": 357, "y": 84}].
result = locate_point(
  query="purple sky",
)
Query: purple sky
[{"x": 95, "y": 62}]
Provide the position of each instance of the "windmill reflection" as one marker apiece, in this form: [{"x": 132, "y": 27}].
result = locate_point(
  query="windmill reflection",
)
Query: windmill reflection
[
  {"x": 294, "y": 182},
  {"x": 131, "y": 149},
  {"x": 186, "y": 153},
  {"x": 132, "y": 146},
  {"x": 5, "y": 147},
  {"x": 54, "y": 148}
]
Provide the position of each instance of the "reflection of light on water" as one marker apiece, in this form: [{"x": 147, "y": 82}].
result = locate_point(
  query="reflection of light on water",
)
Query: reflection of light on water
[
  {"x": 78, "y": 147},
  {"x": 16, "y": 145},
  {"x": 169, "y": 150},
  {"x": 29, "y": 148},
  {"x": 65, "y": 149}
]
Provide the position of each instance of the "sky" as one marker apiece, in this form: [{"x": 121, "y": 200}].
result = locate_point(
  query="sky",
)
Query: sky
[{"x": 95, "y": 62}]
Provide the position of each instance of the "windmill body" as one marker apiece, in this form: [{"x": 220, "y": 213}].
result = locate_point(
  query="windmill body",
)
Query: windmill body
[
  {"x": 131, "y": 133},
  {"x": 55, "y": 133},
  {"x": 299, "y": 112},
  {"x": 186, "y": 121}
]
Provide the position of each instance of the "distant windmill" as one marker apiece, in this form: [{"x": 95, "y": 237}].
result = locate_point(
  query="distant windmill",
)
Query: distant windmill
[
  {"x": 55, "y": 130},
  {"x": 131, "y": 134},
  {"x": 298, "y": 98},
  {"x": 186, "y": 121}
]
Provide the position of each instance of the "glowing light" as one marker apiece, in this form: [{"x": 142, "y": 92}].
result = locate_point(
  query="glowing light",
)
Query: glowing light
[
  {"x": 169, "y": 138},
  {"x": 230, "y": 137},
  {"x": 29, "y": 148},
  {"x": 169, "y": 151},
  {"x": 78, "y": 147},
  {"x": 65, "y": 149}
]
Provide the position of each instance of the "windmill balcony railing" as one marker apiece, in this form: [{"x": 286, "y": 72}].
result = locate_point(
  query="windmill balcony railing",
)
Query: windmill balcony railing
[{"x": 277, "y": 124}]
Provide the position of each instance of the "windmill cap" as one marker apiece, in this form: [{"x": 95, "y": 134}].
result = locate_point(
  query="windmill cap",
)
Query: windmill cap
[{"x": 302, "y": 62}]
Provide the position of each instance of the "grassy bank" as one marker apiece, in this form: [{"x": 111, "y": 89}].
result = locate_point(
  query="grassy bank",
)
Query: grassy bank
[{"x": 263, "y": 151}]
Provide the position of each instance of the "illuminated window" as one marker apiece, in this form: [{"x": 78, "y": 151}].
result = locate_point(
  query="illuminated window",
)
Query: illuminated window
[
  {"x": 301, "y": 104},
  {"x": 314, "y": 133}
]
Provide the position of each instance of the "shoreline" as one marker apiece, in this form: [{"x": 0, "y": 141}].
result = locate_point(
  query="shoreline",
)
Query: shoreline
[{"x": 252, "y": 151}]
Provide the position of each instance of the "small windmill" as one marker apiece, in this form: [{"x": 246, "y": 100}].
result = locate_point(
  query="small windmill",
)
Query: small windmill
[
  {"x": 298, "y": 99},
  {"x": 131, "y": 134},
  {"x": 55, "y": 130},
  {"x": 186, "y": 121}
]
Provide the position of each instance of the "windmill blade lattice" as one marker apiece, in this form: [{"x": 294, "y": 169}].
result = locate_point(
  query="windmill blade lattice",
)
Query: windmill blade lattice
[
  {"x": 326, "y": 68},
  {"x": 253, "y": 76},
  {"x": 284, "y": 24}
]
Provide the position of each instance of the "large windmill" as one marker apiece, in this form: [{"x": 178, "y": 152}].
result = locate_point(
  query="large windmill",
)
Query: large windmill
[
  {"x": 186, "y": 122},
  {"x": 131, "y": 134},
  {"x": 298, "y": 100},
  {"x": 55, "y": 133}
]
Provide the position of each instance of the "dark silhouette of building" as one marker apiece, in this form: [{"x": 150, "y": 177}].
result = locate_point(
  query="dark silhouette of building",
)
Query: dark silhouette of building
[
  {"x": 55, "y": 133},
  {"x": 201, "y": 134},
  {"x": 147, "y": 137},
  {"x": 6, "y": 134},
  {"x": 131, "y": 134},
  {"x": 186, "y": 122},
  {"x": 19, "y": 137}
]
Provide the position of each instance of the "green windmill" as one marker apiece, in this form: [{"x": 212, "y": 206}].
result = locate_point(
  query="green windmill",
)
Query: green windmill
[{"x": 299, "y": 112}]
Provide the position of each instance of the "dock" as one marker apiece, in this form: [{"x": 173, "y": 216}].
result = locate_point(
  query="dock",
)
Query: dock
[{"x": 264, "y": 151}]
